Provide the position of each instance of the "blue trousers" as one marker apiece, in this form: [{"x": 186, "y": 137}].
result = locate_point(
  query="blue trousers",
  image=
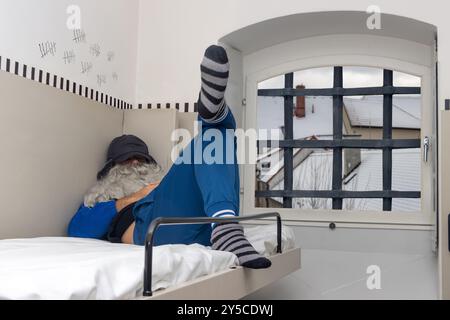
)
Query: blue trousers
[{"x": 203, "y": 182}]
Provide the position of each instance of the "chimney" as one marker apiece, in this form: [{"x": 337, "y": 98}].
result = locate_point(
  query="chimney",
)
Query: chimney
[{"x": 300, "y": 104}]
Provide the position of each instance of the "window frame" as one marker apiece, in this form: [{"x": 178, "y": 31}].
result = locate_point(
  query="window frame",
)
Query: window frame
[{"x": 357, "y": 218}]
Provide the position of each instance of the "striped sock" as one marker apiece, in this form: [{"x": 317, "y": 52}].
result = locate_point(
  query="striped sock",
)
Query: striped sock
[
  {"x": 229, "y": 236},
  {"x": 214, "y": 70}
]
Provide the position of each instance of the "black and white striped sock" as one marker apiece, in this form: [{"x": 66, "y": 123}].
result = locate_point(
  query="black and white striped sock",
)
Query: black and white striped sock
[
  {"x": 229, "y": 236},
  {"x": 214, "y": 71}
]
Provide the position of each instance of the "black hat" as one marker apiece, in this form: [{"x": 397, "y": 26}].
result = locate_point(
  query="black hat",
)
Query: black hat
[{"x": 123, "y": 148}]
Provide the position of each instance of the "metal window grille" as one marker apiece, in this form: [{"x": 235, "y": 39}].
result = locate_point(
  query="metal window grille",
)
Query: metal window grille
[{"x": 387, "y": 144}]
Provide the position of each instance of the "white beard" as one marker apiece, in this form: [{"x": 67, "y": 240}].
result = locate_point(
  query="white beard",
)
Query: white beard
[{"x": 123, "y": 180}]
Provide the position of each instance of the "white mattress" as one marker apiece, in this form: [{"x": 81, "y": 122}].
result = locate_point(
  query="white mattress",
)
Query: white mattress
[{"x": 75, "y": 268}]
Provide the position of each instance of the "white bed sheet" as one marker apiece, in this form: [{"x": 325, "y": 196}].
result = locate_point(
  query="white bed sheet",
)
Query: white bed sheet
[{"x": 75, "y": 268}]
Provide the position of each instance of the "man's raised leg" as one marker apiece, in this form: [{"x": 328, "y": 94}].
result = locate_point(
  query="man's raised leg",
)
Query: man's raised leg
[{"x": 219, "y": 182}]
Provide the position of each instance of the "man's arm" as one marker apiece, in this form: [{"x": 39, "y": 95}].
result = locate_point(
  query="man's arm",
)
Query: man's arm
[
  {"x": 94, "y": 222},
  {"x": 122, "y": 203}
]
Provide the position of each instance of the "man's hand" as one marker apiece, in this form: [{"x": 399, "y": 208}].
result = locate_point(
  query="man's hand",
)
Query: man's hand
[
  {"x": 146, "y": 190},
  {"x": 123, "y": 202}
]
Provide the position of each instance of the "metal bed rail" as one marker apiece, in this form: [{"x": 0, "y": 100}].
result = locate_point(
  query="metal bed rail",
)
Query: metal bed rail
[{"x": 192, "y": 220}]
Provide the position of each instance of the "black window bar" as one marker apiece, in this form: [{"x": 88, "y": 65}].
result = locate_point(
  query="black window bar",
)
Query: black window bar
[{"x": 387, "y": 144}]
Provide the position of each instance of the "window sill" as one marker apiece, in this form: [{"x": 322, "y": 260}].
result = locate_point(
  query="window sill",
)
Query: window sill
[{"x": 354, "y": 219}]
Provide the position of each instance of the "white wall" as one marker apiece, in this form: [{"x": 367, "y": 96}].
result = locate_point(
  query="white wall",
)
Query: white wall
[
  {"x": 112, "y": 24},
  {"x": 173, "y": 35},
  {"x": 160, "y": 63},
  {"x": 334, "y": 265}
]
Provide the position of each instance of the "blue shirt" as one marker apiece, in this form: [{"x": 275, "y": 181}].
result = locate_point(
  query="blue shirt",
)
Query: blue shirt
[{"x": 92, "y": 222}]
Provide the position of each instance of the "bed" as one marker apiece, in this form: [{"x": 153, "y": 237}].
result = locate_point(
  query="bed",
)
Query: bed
[
  {"x": 74, "y": 268},
  {"x": 55, "y": 141}
]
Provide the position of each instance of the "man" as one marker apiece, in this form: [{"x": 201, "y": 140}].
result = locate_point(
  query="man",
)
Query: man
[
  {"x": 129, "y": 174},
  {"x": 190, "y": 188}
]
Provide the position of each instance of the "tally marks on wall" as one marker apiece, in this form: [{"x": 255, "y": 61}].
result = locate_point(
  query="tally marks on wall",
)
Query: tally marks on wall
[{"x": 58, "y": 82}]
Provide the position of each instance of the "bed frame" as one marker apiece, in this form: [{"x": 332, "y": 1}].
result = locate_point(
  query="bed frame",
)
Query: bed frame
[
  {"x": 246, "y": 280},
  {"x": 234, "y": 283}
]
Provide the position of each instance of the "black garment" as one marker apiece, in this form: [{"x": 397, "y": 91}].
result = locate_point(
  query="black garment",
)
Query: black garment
[{"x": 120, "y": 224}]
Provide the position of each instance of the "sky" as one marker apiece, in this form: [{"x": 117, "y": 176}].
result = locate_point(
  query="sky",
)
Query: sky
[{"x": 353, "y": 77}]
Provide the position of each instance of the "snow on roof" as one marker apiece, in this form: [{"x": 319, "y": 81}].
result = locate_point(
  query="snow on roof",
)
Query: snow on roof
[
  {"x": 270, "y": 115},
  {"x": 368, "y": 111},
  {"x": 315, "y": 173}
]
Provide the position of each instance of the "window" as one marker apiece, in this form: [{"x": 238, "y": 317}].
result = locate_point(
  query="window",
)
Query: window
[{"x": 345, "y": 141}]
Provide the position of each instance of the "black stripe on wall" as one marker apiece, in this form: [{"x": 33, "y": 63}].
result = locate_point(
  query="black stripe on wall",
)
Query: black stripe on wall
[
  {"x": 447, "y": 104},
  {"x": 22, "y": 70}
]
